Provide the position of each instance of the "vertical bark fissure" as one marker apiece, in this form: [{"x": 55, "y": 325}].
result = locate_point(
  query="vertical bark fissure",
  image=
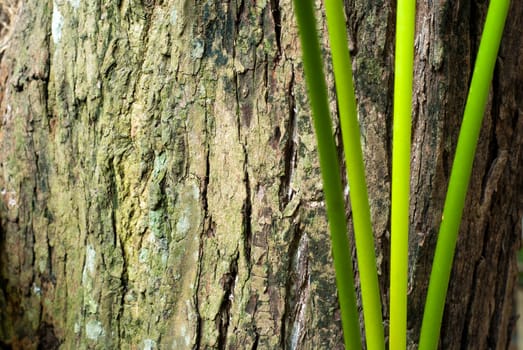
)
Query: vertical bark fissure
[
  {"x": 296, "y": 290},
  {"x": 223, "y": 318},
  {"x": 276, "y": 17},
  {"x": 497, "y": 319},
  {"x": 207, "y": 226},
  {"x": 205, "y": 182},
  {"x": 199, "y": 326},
  {"x": 256, "y": 341},
  {"x": 507, "y": 313},
  {"x": 469, "y": 309},
  {"x": 289, "y": 150},
  {"x": 124, "y": 275},
  {"x": 247, "y": 212},
  {"x": 240, "y": 8},
  {"x": 206, "y": 232},
  {"x": 198, "y": 340},
  {"x": 493, "y": 156},
  {"x": 47, "y": 338}
]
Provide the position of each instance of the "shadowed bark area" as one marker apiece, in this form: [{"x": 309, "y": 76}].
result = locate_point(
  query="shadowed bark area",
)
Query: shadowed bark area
[{"x": 160, "y": 186}]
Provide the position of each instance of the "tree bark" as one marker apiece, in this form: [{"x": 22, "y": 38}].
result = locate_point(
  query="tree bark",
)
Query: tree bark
[{"x": 160, "y": 186}]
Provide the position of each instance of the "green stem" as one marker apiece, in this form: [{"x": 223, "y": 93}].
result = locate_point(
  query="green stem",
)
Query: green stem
[
  {"x": 350, "y": 130},
  {"x": 460, "y": 175},
  {"x": 332, "y": 187},
  {"x": 405, "y": 24}
]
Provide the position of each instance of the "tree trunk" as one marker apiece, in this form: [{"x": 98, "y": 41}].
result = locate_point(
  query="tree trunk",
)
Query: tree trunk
[{"x": 160, "y": 186}]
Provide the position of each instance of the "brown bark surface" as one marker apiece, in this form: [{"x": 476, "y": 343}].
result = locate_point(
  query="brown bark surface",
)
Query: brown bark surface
[{"x": 160, "y": 186}]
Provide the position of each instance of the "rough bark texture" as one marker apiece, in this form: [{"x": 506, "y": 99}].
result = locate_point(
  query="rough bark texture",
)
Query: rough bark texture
[{"x": 160, "y": 185}]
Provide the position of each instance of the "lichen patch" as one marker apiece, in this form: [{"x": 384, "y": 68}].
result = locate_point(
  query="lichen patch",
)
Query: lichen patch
[
  {"x": 94, "y": 330},
  {"x": 57, "y": 23}
]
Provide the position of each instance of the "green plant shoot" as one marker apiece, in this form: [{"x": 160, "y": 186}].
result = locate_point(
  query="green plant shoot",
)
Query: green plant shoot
[
  {"x": 332, "y": 186},
  {"x": 405, "y": 24},
  {"x": 460, "y": 174},
  {"x": 350, "y": 131}
]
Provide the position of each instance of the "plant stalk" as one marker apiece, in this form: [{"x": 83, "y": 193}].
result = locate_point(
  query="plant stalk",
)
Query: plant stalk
[
  {"x": 460, "y": 174},
  {"x": 350, "y": 131},
  {"x": 332, "y": 186},
  {"x": 405, "y": 24}
]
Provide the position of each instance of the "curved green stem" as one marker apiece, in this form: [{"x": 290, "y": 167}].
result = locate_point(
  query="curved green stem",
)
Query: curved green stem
[
  {"x": 332, "y": 187},
  {"x": 460, "y": 174},
  {"x": 405, "y": 24},
  {"x": 350, "y": 131}
]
